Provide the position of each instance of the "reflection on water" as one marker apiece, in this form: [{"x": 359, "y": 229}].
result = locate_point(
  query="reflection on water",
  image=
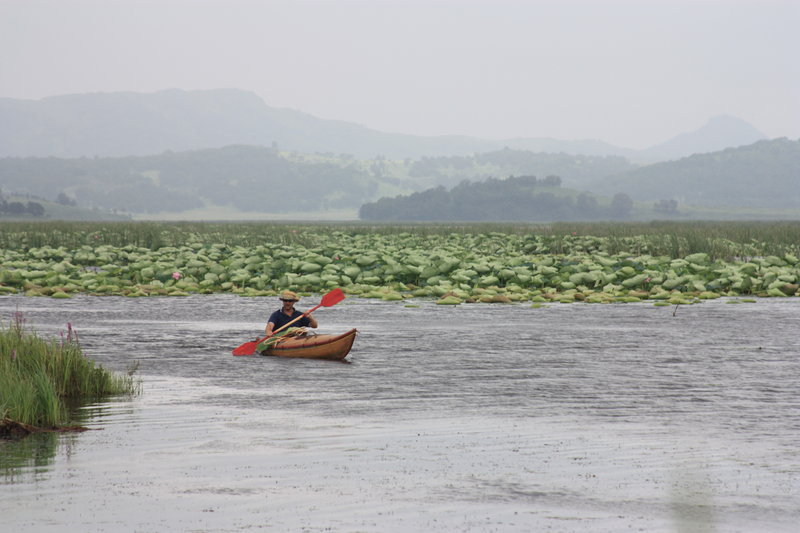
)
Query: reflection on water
[
  {"x": 27, "y": 455},
  {"x": 473, "y": 418}
]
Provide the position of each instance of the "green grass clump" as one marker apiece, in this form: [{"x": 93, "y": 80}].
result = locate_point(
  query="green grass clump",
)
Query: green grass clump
[{"x": 38, "y": 377}]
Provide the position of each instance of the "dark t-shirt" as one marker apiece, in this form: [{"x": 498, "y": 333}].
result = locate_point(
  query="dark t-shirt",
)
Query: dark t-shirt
[{"x": 279, "y": 318}]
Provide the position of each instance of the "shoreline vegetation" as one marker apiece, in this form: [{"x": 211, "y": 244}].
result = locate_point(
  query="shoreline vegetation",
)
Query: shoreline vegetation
[
  {"x": 40, "y": 379},
  {"x": 667, "y": 262}
]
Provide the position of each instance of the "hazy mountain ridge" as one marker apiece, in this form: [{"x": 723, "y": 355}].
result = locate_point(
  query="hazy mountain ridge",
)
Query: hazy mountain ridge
[
  {"x": 763, "y": 174},
  {"x": 126, "y": 123},
  {"x": 717, "y": 134}
]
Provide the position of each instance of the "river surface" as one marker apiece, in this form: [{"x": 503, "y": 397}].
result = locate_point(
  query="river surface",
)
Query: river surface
[{"x": 481, "y": 417}]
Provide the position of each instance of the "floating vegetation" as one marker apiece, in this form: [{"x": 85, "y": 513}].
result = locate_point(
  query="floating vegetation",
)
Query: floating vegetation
[
  {"x": 677, "y": 263},
  {"x": 38, "y": 376}
]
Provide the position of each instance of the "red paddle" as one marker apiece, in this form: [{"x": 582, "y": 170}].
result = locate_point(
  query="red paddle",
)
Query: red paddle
[{"x": 329, "y": 300}]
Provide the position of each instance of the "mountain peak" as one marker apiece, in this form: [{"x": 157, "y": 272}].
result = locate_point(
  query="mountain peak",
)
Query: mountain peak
[{"x": 720, "y": 132}]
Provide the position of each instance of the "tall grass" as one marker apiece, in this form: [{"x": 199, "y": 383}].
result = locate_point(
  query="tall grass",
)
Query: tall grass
[
  {"x": 674, "y": 239},
  {"x": 38, "y": 376}
]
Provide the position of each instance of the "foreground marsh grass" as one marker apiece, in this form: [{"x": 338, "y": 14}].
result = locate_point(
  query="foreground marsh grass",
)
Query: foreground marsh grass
[
  {"x": 455, "y": 263},
  {"x": 39, "y": 377}
]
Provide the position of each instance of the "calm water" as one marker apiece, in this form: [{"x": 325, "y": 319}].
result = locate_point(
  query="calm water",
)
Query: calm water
[{"x": 474, "y": 418}]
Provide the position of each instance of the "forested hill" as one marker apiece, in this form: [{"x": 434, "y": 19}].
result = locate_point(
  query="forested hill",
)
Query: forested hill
[
  {"x": 763, "y": 174},
  {"x": 245, "y": 178},
  {"x": 524, "y": 198}
]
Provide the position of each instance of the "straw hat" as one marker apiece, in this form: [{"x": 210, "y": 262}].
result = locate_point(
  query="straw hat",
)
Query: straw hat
[{"x": 289, "y": 296}]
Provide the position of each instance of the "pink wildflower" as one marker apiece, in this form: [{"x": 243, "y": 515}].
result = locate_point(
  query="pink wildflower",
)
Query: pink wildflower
[{"x": 176, "y": 275}]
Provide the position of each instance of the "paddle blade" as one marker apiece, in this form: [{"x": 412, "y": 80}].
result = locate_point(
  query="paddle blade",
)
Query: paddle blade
[
  {"x": 248, "y": 348},
  {"x": 332, "y": 298}
]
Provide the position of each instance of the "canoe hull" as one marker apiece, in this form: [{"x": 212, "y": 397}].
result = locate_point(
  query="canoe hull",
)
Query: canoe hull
[{"x": 330, "y": 347}]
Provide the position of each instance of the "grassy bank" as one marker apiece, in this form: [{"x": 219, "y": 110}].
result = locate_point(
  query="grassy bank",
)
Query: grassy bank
[{"x": 38, "y": 377}]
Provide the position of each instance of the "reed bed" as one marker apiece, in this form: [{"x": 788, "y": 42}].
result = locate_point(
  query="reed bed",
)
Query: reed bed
[
  {"x": 38, "y": 377},
  {"x": 673, "y": 239}
]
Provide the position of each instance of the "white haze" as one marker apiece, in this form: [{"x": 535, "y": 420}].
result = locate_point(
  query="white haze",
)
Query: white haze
[{"x": 633, "y": 73}]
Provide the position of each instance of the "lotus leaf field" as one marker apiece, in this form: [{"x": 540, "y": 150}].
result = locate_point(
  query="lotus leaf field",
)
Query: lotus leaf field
[{"x": 667, "y": 264}]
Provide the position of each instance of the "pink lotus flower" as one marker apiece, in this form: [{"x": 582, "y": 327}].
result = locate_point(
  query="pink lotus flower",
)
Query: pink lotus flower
[{"x": 176, "y": 276}]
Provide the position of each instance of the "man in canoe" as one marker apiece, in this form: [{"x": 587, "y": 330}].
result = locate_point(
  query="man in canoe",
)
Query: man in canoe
[{"x": 287, "y": 313}]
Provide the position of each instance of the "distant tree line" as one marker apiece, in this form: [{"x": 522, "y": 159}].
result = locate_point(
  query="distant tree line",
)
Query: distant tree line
[
  {"x": 524, "y": 198},
  {"x": 17, "y": 208}
]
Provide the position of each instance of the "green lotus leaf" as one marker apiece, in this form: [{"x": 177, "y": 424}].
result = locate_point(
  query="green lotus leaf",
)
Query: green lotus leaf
[
  {"x": 487, "y": 281},
  {"x": 310, "y": 267},
  {"x": 672, "y": 283},
  {"x": 635, "y": 281},
  {"x": 310, "y": 279},
  {"x": 352, "y": 272},
  {"x": 392, "y": 296},
  {"x": 708, "y": 295},
  {"x": 366, "y": 260},
  {"x": 774, "y": 260},
  {"x": 505, "y": 274},
  {"x": 698, "y": 258},
  {"x": 547, "y": 271},
  {"x": 429, "y": 271}
]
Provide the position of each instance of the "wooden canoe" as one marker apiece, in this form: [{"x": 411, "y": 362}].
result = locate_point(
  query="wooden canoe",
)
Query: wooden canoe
[{"x": 331, "y": 347}]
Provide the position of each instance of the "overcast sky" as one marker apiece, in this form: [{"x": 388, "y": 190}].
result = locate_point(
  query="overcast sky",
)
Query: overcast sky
[{"x": 633, "y": 73}]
